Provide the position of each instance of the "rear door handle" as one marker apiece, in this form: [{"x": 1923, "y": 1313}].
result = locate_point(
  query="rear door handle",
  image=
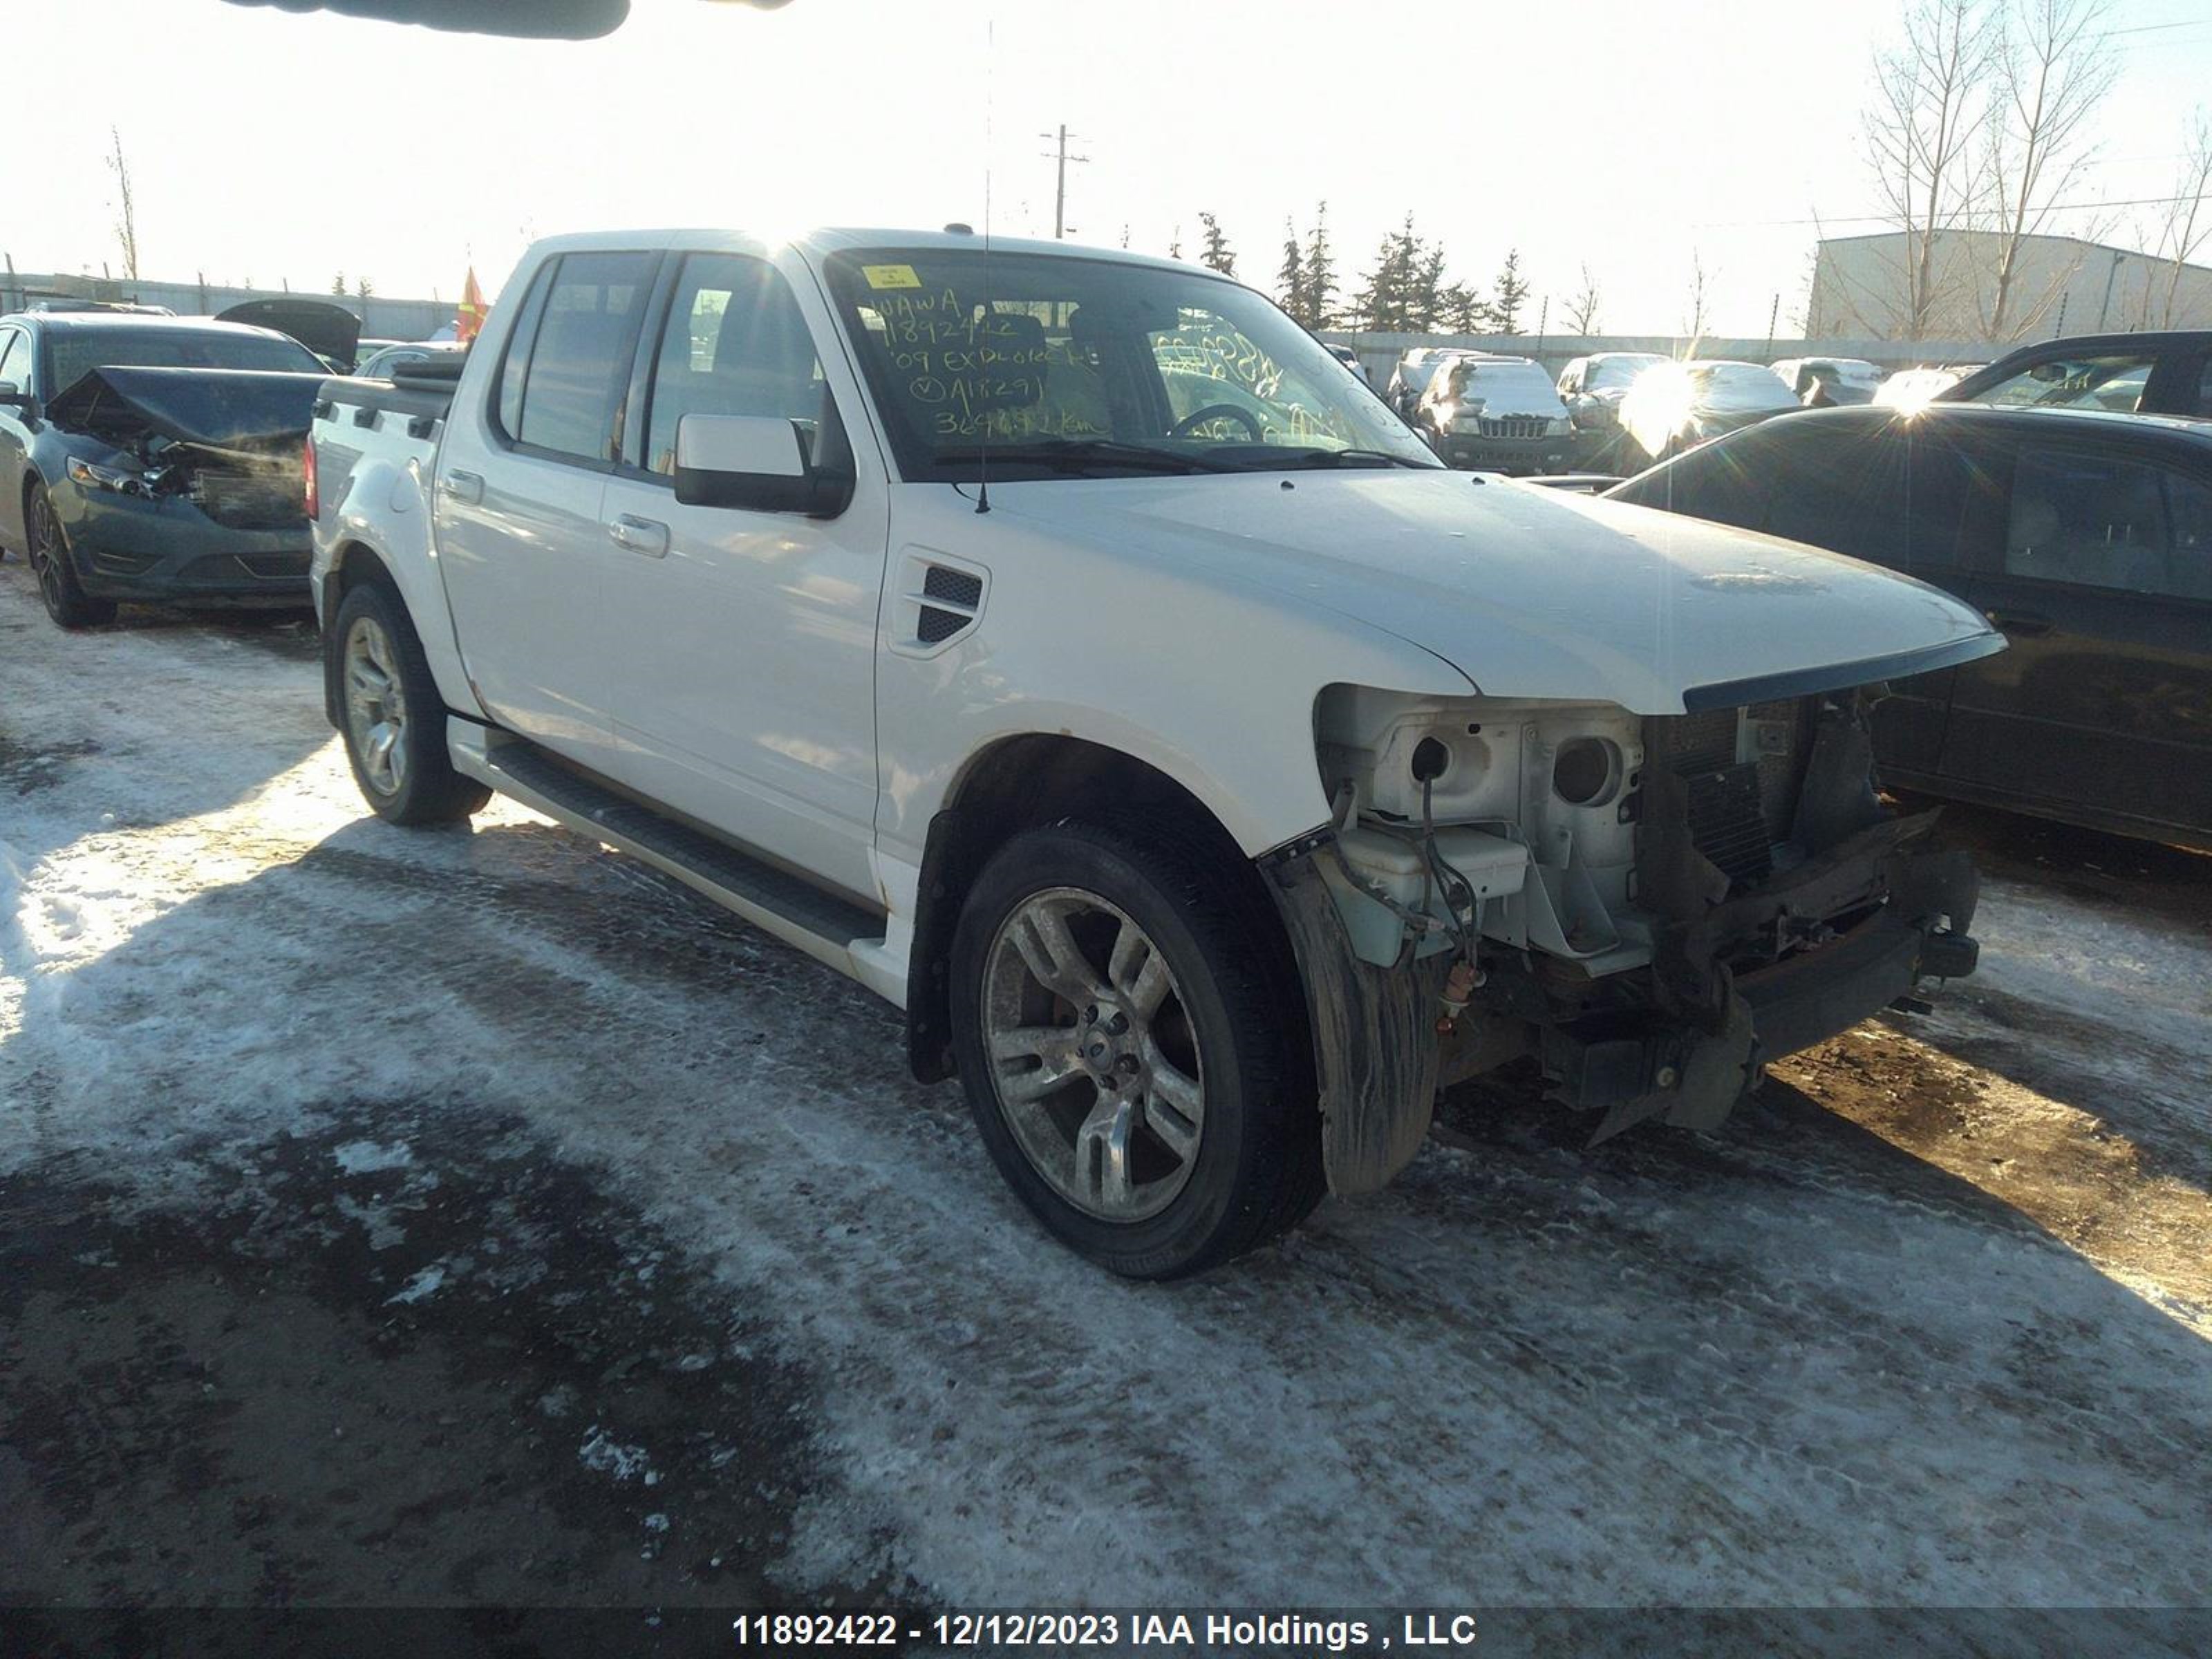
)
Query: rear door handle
[
  {"x": 462, "y": 486},
  {"x": 645, "y": 535},
  {"x": 2023, "y": 622}
]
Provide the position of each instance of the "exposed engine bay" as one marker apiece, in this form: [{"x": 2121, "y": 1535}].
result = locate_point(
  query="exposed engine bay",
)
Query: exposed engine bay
[
  {"x": 228, "y": 441},
  {"x": 1649, "y": 907}
]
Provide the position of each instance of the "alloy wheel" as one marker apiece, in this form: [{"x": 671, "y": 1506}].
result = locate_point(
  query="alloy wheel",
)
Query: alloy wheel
[
  {"x": 376, "y": 709},
  {"x": 1093, "y": 1058},
  {"x": 44, "y": 550}
]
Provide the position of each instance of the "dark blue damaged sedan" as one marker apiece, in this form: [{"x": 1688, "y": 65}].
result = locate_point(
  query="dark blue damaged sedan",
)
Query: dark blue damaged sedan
[{"x": 156, "y": 459}]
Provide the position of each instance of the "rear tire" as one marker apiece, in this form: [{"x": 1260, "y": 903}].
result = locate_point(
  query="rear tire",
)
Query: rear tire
[
  {"x": 1146, "y": 1095},
  {"x": 394, "y": 720},
  {"x": 46, "y": 546}
]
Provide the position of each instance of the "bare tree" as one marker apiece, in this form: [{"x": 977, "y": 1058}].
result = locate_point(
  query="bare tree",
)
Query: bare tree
[
  {"x": 2188, "y": 224},
  {"x": 126, "y": 223},
  {"x": 1582, "y": 310},
  {"x": 1930, "y": 101},
  {"x": 2050, "y": 70},
  {"x": 1693, "y": 319}
]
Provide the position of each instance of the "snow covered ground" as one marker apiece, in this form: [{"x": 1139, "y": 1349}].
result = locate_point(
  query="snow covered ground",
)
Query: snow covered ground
[{"x": 1930, "y": 1324}]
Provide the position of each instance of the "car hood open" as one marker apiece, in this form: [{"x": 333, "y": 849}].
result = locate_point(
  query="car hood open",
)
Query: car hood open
[
  {"x": 330, "y": 331},
  {"x": 1531, "y": 592},
  {"x": 228, "y": 412}
]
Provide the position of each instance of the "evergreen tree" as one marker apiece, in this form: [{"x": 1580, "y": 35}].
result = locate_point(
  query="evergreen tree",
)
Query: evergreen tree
[
  {"x": 1512, "y": 292},
  {"x": 1321, "y": 274},
  {"x": 1403, "y": 292},
  {"x": 338, "y": 283},
  {"x": 1425, "y": 303},
  {"x": 1380, "y": 305},
  {"x": 1291, "y": 279},
  {"x": 1462, "y": 310},
  {"x": 1217, "y": 254}
]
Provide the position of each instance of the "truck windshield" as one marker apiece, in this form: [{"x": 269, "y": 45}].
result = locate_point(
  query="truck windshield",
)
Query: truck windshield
[
  {"x": 1056, "y": 366},
  {"x": 76, "y": 353}
]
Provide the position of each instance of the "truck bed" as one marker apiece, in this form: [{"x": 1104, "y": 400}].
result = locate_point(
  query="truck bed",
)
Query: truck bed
[{"x": 421, "y": 397}]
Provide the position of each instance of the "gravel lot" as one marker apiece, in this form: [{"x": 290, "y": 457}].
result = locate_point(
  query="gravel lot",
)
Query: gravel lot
[{"x": 475, "y": 1217}]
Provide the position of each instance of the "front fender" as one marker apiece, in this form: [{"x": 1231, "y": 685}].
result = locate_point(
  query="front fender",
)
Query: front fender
[{"x": 1375, "y": 1056}]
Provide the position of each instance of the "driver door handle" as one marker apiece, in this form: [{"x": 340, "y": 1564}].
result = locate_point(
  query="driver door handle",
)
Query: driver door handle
[
  {"x": 636, "y": 535},
  {"x": 462, "y": 486}
]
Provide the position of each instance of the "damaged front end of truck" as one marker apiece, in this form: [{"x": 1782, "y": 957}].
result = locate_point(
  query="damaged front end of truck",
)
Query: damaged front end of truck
[{"x": 1647, "y": 909}]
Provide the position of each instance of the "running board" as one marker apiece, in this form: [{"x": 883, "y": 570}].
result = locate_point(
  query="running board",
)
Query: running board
[{"x": 831, "y": 930}]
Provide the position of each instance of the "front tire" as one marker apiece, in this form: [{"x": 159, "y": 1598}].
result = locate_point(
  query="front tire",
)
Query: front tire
[
  {"x": 46, "y": 546},
  {"x": 395, "y": 721},
  {"x": 1119, "y": 1021}
]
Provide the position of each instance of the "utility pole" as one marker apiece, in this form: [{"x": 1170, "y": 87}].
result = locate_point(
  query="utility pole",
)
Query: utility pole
[
  {"x": 1060, "y": 158},
  {"x": 1773, "y": 318}
]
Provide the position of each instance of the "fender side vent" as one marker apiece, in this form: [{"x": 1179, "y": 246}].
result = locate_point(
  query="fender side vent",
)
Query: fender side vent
[
  {"x": 938, "y": 626},
  {"x": 937, "y": 601},
  {"x": 963, "y": 589}
]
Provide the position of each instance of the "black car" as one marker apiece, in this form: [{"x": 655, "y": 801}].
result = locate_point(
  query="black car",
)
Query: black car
[
  {"x": 2086, "y": 536},
  {"x": 2161, "y": 373},
  {"x": 154, "y": 459}
]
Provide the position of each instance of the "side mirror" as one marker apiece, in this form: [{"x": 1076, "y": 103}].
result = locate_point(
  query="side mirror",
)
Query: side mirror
[
  {"x": 756, "y": 461},
  {"x": 13, "y": 396}
]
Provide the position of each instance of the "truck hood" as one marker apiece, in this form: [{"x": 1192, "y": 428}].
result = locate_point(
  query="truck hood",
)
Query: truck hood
[
  {"x": 223, "y": 411},
  {"x": 1530, "y": 592}
]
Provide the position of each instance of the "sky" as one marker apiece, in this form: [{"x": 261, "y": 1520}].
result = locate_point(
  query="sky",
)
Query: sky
[{"x": 1638, "y": 138}]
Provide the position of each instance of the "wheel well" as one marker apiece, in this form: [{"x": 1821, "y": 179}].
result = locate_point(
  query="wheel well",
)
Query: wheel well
[
  {"x": 1023, "y": 783},
  {"x": 353, "y": 565}
]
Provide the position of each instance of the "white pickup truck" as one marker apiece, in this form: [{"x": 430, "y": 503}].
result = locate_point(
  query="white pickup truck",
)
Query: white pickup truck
[{"x": 1066, "y": 645}]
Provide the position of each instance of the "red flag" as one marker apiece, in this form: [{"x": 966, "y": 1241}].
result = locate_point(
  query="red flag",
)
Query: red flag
[{"x": 469, "y": 317}]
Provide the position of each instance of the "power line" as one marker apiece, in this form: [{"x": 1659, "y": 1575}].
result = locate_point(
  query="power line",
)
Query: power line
[{"x": 1891, "y": 218}]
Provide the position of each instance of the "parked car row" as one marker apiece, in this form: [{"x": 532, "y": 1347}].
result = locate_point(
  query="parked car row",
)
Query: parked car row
[{"x": 1681, "y": 403}]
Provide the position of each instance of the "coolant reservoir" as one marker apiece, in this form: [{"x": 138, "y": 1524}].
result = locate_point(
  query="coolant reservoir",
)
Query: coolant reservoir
[{"x": 1492, "y": 867}]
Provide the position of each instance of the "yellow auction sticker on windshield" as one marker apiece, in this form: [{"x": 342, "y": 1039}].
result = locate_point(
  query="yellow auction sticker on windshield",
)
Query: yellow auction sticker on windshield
[{"x": 890, "y": 276}]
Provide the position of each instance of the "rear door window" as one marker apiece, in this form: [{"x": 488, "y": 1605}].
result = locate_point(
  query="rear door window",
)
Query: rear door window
[
  {"x": 515, "y": 369},
  {"x": 2089, "y": 518},
  {"x": 2189, "y": 510},
  {"x": 580, "y": 358}
]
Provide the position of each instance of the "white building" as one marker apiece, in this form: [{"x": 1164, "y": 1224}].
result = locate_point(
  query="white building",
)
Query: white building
[{"x": 2061, "y": 285}]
